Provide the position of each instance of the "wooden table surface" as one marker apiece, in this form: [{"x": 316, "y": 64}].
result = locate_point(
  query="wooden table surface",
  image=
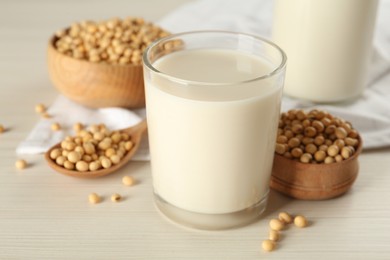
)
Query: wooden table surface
[{"x": 44, "y": 215}]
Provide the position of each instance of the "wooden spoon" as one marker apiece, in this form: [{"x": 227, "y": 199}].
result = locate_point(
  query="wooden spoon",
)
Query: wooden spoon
[{"x": 136, "y": 132}]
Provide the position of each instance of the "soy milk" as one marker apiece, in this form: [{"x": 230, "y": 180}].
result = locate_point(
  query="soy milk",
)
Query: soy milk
[
  {"x": 212, "y": 137},
  {"x": 328, "y": 45}
]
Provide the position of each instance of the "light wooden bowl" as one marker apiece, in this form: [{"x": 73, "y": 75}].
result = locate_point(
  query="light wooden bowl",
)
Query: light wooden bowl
[
  {"x": 96, "y": 85},
  {"x": 314, "y": 181}
]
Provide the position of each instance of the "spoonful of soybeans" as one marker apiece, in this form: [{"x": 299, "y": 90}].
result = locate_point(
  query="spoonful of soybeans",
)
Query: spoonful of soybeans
[{"x": 95, "y": 152}]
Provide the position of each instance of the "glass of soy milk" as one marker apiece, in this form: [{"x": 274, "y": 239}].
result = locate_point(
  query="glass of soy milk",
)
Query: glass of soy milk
[{"x": 213, "y": 103}]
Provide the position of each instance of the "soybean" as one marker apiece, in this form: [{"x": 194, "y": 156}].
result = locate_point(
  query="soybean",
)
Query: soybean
[
  {"x": 285, "y": 217},
  {"x": 273, "y": 235},
  {"x": 300, "y": 221},
  {"x": 55, "y": 127},
  {"x": 115, "y": 197},
  {"x": 276, "y": 224},
  {"x": 268, "y": 245},
  {"x": 93, "y": 198},
  {"x": 128, "y": 180},
  {"x": 20, "y": 164},
  {"x": 40, "y": 108}
]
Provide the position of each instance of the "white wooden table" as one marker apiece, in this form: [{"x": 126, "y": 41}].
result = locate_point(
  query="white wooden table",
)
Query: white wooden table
[{"x": 45, "y": 215}]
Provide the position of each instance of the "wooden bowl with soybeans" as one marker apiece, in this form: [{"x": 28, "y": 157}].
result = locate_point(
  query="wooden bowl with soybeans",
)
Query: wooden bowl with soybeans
[
  {"x": 316, "y": 155},
  {"x": 99, "y": 64}
]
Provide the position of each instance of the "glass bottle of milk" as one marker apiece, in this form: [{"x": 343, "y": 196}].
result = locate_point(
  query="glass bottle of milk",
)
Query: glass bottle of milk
[{"x": 328, "y": 45}]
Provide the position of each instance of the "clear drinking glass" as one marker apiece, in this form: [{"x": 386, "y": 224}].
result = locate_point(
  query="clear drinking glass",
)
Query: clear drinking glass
[{"x": 213, "y": 103}]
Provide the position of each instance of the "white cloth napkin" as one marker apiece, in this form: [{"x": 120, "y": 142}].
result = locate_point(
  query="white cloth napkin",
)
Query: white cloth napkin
[
  {"x": 67, "y": 113},
  {"x": 370, "y": 114}
]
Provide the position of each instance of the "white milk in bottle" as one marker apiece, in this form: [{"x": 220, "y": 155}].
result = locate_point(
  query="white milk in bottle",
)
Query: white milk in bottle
[{"x": 328, "y": 45}]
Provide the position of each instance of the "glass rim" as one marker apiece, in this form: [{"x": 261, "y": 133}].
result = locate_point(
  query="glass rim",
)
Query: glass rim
[{"x": 275, "y": 71}]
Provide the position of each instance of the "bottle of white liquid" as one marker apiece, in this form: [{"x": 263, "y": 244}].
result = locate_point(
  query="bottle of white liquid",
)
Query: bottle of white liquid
[{"x": 328, "y": 45}]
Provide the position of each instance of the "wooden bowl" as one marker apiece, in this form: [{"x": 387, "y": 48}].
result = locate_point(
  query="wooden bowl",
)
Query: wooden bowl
[
  {"x": 314, "y": 181},
  {"x": 96, "y": 85}
]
